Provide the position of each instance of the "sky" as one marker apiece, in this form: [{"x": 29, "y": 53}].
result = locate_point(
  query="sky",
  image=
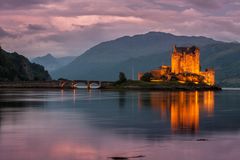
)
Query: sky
[{"x": 70, "y": 27}]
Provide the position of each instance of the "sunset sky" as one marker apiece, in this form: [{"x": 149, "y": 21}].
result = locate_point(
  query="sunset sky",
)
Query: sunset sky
[{"x": 69, "y": 27}]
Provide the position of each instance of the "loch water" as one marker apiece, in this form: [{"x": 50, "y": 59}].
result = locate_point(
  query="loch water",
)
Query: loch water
[{"x": 38, "y": 124}]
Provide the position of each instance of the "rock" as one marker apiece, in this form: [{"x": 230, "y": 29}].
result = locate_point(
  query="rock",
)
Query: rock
[
  {"x": 202, "y": 139},
  {"x": 124, "y": 158}
]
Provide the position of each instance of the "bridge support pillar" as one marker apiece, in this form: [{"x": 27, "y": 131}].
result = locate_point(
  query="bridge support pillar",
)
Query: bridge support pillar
[
  {"x": 88, "y": 85},
  {"x": 62, "y": 83}
]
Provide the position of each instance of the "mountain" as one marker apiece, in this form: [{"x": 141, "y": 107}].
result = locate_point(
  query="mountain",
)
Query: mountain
[
  {"x": 52, "y": 63},
  {"x": 15, "y": 67},
  {"x": 148, "y": 51},
  {"x": 225, "y": 58}
]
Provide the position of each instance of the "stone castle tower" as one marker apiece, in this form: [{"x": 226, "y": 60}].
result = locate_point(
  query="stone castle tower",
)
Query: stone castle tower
[{"x": 185, "y": 60}]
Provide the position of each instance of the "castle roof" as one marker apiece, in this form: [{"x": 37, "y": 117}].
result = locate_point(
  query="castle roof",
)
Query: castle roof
[{"x": 185, "y": 49}]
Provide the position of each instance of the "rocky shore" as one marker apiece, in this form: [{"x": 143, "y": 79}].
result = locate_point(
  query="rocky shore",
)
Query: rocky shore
[{"x": 33, "y": 84}]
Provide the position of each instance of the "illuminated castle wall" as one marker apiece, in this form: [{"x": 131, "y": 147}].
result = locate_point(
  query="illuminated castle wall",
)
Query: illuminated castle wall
[
  {"x": 185, "y": 60},
  {"x": 185, "y": 65},
  {"x": 209, "y": 76}
]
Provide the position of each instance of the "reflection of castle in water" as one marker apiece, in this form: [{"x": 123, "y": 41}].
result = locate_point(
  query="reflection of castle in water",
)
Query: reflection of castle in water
[{"x": 181, "y": 108}]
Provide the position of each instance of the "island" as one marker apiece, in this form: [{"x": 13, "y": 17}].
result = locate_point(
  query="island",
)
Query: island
[{"x": 161, "y": 86}]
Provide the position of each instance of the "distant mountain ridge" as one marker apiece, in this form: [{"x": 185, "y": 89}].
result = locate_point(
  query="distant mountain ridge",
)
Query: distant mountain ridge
[
  {"x": 52, "y": 63},
  {"x": 15, "y": 67},
  {"x": 148, "y": 51}
]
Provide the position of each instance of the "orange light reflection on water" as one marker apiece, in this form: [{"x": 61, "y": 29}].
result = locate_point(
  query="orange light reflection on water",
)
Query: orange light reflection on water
[{"x": 182, "y": 108}]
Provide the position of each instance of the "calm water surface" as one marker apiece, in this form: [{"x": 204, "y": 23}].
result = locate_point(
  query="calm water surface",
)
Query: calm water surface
[{"x": 92, "y": 125}]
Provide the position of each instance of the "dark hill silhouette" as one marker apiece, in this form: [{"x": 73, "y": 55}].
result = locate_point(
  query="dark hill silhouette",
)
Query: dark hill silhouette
[{"x": 15, "y": 67}]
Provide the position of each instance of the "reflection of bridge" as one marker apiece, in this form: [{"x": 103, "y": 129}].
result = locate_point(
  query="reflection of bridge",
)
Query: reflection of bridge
[{"x": 88, "y": 84}]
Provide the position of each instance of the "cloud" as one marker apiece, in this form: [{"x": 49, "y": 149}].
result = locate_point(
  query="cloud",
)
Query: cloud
[
  {"x": 69, "y": 23},
  {"x": 209, "y": 4},
  {"x": 21, "y": 4},
  {"x": 4, "y": 34},
  {"x": 72, "y": 26},
  {"x": 192, "y": 12},
  {"x": 36, "y": 27},
  {"x": 197, "y": 4},
  {"x": 82, "y": 38}
]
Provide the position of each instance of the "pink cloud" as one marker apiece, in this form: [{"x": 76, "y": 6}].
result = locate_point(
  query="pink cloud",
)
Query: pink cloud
[{"x": 66, "y": 27}]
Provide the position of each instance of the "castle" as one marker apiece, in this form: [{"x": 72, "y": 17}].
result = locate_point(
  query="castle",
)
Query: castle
[{"x": 185, "y": 67}]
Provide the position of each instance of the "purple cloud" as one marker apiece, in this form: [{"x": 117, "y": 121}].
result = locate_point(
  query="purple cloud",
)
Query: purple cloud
[
  {"x": 4, "y": 34},
  {"x": 36, "y": 27},
  {"x": 72, "y": 26},
  {"x": 18, "y": 4}
]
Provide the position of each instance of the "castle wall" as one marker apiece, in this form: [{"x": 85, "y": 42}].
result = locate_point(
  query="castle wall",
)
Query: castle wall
[
  {"x": 140, "y": 74},
  {"x": 196, "y": 62},
  {"x": 190, "y": 63},
  {"x": 156, "y": 73},
  {"x": 185, "y": 62},
  {"x": 209, "y": 76},
  {"x": 162, "y": 71},
  {"x": 175, "y": 63}
]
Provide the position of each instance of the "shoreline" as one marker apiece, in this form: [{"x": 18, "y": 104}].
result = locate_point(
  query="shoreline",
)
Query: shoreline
[
  {"x": 177, "y": 88},
  {"x": 129, "y": 85},
  {"x": 162, "y": 86},
  {"x": 30, "y": 84}
]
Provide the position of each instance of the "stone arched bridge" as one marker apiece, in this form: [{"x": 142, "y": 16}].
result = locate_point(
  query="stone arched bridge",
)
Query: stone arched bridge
[{"x": 83, "y": 83}]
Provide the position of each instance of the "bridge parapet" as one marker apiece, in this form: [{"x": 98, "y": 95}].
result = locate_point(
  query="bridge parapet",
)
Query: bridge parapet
[{"x": 88, "y": 83}]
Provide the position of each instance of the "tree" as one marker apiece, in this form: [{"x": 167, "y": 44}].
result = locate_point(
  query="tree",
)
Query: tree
[
  {"x": 122, "y": 78},
  {"x": 147, "y": 77}
]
